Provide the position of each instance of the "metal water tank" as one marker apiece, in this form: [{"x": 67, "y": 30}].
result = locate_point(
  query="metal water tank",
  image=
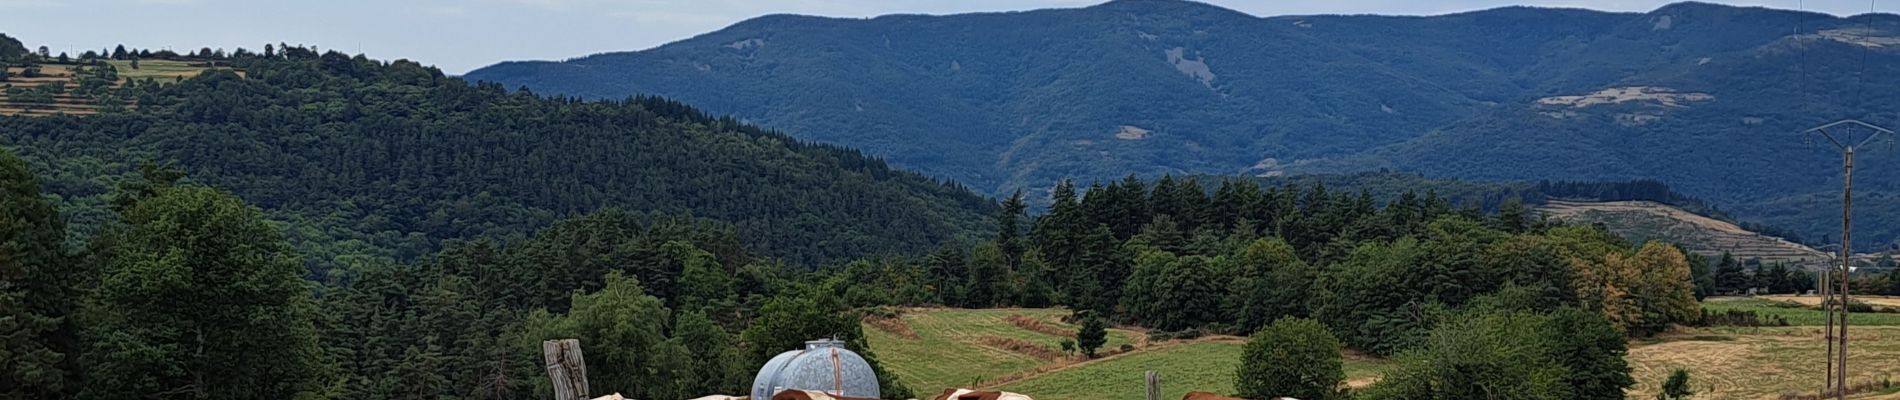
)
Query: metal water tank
[{"x": 823, "y": 365}]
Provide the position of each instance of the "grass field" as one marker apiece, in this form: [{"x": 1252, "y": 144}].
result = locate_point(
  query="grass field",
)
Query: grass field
[
  {"x": 160, "y": 70},
  {"x": 950, "y": 349},
  {"x": 1760, "y": 363},
  {"x": 1798, "y": 314},
  {"x": 1883, "y": 301},
  {"x": 1197, "y": 366},
  {"x": 937, "y": 349},
  {"x": 945, "y": 349}
]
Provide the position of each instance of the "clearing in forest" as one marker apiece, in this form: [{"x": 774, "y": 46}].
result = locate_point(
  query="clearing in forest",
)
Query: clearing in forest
[
  {"x": 938, "y": 348},
  {"x": 1642, "y": 221},
  {"x": 947, "y": 348},
  {"x": 24, "y": 95}
]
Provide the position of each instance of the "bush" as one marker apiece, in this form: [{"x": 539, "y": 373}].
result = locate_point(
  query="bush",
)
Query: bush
[
  {"x": 1293, "y": 357},
  {"x": 1859, "y": 307},
  {"x": 1159, "y": 336},
  {"x": 1676, "y": 387},
  {"x": 1738, "y": 318}
]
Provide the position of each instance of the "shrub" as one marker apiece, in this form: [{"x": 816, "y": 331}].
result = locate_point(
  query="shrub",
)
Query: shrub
[
  {"x": 1676, "y": 387},
  {"x": 1293, "y": 357}
]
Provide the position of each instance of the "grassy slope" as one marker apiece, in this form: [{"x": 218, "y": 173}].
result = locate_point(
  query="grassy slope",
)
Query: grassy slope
[
  {"x": 1642, "y": 220},
  {"x": 948, "y": 351},
  {"x": 1206, "y": 366}
]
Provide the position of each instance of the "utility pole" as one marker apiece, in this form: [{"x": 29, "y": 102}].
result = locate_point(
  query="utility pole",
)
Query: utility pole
[{"x": 1839, "y": 133}]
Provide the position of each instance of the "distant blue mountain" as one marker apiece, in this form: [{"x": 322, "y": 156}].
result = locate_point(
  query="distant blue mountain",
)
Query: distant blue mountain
[{"x": 1705, "y": 97}]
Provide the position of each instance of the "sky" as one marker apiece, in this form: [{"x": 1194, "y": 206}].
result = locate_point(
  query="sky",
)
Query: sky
[{"x": 461, "y": 35}]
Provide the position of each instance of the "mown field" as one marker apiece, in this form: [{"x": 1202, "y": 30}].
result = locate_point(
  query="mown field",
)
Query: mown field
[
  {"x": 160, "y": 70},
  {"x": 944, "y": 348},
  {"x": 1760, "y": 363},
  {"x": 960, "y": 348},
  {"x": 1766, "y": 363},
  {"x": 947, "y": 348},
  {"x": 1196, "y": 366}
]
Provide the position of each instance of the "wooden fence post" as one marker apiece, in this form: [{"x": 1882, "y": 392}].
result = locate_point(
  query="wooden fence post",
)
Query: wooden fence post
[
  {"x": 1154, "y": 385},
  {"x": 566, "y": 368}
]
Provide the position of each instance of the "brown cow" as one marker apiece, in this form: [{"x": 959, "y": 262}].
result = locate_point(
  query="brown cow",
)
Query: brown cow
[
  {"x": 1207, "y": 396},
  {"x": 967, "y": 394}
]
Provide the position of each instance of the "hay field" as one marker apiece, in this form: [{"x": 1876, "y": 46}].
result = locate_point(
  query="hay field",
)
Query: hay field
[{"x": 1760, "y": 363}]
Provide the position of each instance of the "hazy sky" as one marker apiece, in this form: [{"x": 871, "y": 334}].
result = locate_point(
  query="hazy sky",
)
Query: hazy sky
[{"x": 459, "y": 35}]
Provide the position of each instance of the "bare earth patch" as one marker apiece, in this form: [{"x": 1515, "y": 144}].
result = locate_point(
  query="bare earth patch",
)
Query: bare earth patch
[
  {"x": 894, "y": 326},
  {"x": 1617, "y": 95},
  {"x": 1860, "y": 37},
  {"x": 1028, "y": 348},
  {"x": 1033, "y": 324},
  {"x": 1131, "y": 132}
]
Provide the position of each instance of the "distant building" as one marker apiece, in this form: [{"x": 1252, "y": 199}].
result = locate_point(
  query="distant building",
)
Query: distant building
[{"x": 823, "y": 365}]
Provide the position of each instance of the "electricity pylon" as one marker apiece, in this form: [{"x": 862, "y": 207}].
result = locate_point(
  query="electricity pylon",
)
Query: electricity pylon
[{"x": 1840, "y": 134}]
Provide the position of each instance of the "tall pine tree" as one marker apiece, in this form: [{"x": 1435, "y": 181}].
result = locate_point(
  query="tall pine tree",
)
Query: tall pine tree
[{"x": 36, "y": 290}]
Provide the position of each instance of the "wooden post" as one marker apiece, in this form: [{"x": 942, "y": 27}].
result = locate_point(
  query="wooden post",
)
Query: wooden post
[
  {"x": 1154, "y": 385},
  {"x": 566, "y": 368}
]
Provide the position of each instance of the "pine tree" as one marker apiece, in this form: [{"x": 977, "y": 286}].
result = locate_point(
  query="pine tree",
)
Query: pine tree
[
  {"x": 984, "y": 287},
  {"x": 1512, "y": 217},
  {"x": 1092, "y": 334},
  {"x": 1009, "y": 227},
  {"x": 37, "y": 290},
  {"x": 1730, "y": 278},
  {"x": 1192, "y": 208}
]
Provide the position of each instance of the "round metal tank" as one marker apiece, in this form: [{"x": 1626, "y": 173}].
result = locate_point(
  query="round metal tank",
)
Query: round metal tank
[{"x": 823, "y": 365}]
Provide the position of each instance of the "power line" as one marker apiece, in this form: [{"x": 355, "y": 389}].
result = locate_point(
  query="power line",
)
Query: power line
[{"x": 1837, "y": 361}]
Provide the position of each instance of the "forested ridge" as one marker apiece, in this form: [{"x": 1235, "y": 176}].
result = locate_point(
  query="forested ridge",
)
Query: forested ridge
[
  {"x": 1705, "y": 97},
  {"x": 370, "y": 159}
]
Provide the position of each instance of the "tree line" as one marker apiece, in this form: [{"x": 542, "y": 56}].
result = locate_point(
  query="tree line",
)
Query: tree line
[
  {"x": 372, "y": 161},
  {"x": 192, "y": 293}
]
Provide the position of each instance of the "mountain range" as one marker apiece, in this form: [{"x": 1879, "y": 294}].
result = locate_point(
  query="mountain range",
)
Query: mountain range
[{"x": 1708, "y": 98}]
